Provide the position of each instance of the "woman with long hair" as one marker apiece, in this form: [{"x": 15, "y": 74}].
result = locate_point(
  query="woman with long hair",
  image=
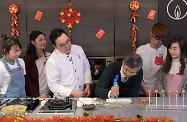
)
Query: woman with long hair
[
  {"x": 35, "y": 60},
  {"x": 173, "y": 76}
]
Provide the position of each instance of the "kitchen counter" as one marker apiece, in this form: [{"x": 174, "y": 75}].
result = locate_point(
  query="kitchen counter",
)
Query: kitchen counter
[
  {"x": 129, "y": 110},
  {"x": 133, "y": 109}
]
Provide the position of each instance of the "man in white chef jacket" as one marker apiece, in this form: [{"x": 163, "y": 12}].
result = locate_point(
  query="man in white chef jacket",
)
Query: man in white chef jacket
[{"x": 67, "y": 68}]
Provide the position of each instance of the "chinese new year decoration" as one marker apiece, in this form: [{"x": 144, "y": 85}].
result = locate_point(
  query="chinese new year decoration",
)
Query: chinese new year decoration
[
  {"x": 13, "y": 9},
  {"x": 134, "y": 6},
  {"x": 70, "y": 16}
]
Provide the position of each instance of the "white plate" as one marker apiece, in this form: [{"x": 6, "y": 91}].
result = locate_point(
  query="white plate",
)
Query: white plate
[
  {"x": 119, "y": 100},
  {"x": 80, "y": 101}
]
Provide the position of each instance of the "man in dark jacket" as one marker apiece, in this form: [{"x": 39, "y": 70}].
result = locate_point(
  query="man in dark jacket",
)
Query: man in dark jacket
[{"x": 130, "y": 77}]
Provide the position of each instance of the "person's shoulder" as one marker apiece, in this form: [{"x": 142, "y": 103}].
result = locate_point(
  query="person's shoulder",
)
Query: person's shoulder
[
  {"x": 163, "y": 47},
  {"x": 28, "y": 59},
  {"x": 186, "y": 63},
  {"x": 53, "y": 54},
  {"x": 2, "y": 67},
  {"x": 142, "y": 48},
  {"x": 76, "y": 48},
  {"x": 21, "y": 61},
  {"x": 28, "y": 56},
  {"x": 114, "y": 67},
  {"x": 1, "y": 63},
  {"x": 185, "y": 70},
  {"x": 53, "y": 57},
  {"x": 115, "y": 64}
]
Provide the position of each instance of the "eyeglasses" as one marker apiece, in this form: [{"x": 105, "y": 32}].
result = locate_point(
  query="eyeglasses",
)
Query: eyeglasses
[
  {"x": 157, "y": 39},
  {"x": 63, "y": 45},
  {"x": 127, "y": 70}
]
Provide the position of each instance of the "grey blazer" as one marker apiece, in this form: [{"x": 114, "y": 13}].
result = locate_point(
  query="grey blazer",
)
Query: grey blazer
[{"x": 162, "y": 82}]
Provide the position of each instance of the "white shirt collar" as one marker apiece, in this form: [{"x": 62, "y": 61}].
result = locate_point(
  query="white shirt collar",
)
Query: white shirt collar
[
  {"x": 123, "y": 76},
  {"x": 62, "y": 54},
  {"x": 121, "y": 72}
]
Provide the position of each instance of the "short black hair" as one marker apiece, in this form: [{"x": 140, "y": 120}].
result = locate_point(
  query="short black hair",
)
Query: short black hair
[
  {"x": 55, "y": 33},
  {"x": 8, "y": 42}
]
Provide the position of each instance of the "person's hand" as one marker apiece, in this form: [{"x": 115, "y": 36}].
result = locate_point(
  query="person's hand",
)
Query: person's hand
[
  {"x": 114, "y": 91},
  {"x": 48, "y": 96},
  {"x": 86, "y": 92},
  {"x": 152, "y": 94},
  {"x": 77, "y": 93},
  {"x": 146, "y": 93},
  {"x": 44, "y": 96}
]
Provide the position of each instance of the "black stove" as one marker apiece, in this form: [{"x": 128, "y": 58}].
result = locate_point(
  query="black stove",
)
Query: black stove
[
  {"x": 58, "y": 106},
  {"x": 31, "y": 103},
  {"x": 3, "y": 101}
]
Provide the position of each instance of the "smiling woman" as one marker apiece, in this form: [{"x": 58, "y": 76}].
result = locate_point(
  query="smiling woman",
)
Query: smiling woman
[
  {"x": 174, "y": 70},
  {"x": 35, "y": 60}
]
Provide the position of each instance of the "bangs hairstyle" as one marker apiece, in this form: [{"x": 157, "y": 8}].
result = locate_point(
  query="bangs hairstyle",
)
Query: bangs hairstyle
[
  {"x": 55, "y": 33},
  {"x": 182, "y": 45},
  {"x": 8, "y": 42},
  {"x": 160, "y": 30}
]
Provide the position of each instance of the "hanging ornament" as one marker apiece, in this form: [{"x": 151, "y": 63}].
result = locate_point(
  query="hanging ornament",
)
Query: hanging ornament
[
  {"x": 134, "y": 5},
  {"x": 70, "y": 16},
  {"x": 13, "y": 9}
]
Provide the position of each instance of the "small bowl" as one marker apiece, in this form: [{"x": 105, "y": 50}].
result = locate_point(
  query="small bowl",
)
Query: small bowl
[{"x": 88, "y": 106}]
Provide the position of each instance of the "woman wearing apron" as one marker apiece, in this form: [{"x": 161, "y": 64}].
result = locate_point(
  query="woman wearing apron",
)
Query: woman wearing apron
[
  {"x": 173, "y": 78},
  {"x": 12, "y": 69}
]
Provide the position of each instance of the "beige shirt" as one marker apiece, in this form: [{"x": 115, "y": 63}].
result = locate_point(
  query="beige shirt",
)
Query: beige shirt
[{"x": 40, "y": 63}]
